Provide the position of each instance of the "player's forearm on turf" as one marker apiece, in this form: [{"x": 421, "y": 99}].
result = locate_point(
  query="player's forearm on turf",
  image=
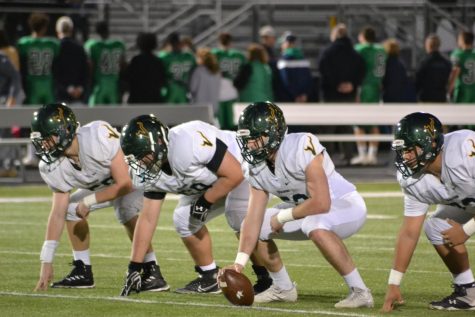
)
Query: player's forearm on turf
[
  {"x": 405, "y": 246},
  {"x": 248, "y": 236},
  {"x": 143, "y": 235},
  {"x": 57, "y": 216}
]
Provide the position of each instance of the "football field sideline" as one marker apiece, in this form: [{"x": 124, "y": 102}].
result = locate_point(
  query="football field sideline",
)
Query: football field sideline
[{"x": 188, "y": 303}]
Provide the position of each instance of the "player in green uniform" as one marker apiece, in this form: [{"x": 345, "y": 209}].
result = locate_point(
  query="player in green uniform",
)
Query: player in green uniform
[
  {"x": 462, "y": 78},
  {"x": 37, "y": 53},
  {"x": 178, "y": 66},
  {"x": 107, "y": 58},
  {"x": 230, "y": 60},
  {"x": 375, "y": 65}
]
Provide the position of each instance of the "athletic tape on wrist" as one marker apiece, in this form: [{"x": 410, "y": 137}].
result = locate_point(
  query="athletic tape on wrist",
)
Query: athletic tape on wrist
[
  {"x": 89, "y": 200},
  {"x": 285, "y": 215},
  {"x": 242, "y": 258},
  {"x": 48, "y": 250},
  {"x": 469, "y": 227},
  {"x": 395, "y": 277}
]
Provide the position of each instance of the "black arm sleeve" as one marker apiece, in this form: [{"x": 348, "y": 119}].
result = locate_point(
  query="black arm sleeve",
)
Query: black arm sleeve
[
  {"x": 154, "y": 195},
  {"x": 218, "y": 157}
]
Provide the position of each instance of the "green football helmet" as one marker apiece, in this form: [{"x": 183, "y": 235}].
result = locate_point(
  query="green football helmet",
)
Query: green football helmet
[
  {"x": 144, "y": 141},
  {"x": 53, "y": 128},
  {"x": 263, "y": 124},
  {"x": 421, "y": 133}
]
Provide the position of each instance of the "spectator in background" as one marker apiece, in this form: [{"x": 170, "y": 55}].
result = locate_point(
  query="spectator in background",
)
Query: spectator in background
[
  {"x": 10, "y": 89},
  {"x": 254, "y": 81},
  {"x": 178, "y": 68},
  {"x": 70, "y": 71},
  {"x": 341, "y": 71},
  {"x": 10, "y": 51},
  {"x": 395, "y": 82},
  {"x": 145, "y": 75},
  {"x": 107, "y": 59},
  {"x": 205, "y": 79},
  {"x": 269, "y": 40},
  {"x": 37, "y": 55},
  {"x": 187, "y": 45},
  {"x": 375, "y": 65},
  {"x": 294, "y": 70},
  {"x": 230, "y": 61},
  {"x": 462, "y": 78},
  {"x": 433, "y": 73}
]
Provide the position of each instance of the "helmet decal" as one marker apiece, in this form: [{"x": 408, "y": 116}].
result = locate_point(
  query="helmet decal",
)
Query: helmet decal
[{"x": 430, "y": 128}]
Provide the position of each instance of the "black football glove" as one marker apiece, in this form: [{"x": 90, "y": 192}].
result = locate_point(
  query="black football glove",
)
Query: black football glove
[
  {"x": 200, "y": 208},
  {"x": 133, "y": 282}
]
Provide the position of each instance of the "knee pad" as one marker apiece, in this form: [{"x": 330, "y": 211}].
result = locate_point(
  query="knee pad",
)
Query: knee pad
[{"x": 433, "y": 227}]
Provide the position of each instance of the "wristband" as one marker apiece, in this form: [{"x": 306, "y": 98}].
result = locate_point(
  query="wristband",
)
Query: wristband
[
  {"x": 89, "y": 200},
  {"x": 395, "y": 277},
  {"x": 242, "y": 258},
  {"x": 285, "y": 215},
  {"x": 48, "y": 250},
  {"x": 469, "y": 227}
]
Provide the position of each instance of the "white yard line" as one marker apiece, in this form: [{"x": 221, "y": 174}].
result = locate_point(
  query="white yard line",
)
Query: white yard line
[
  {"x": 187, "y": 303},
  {"x": 41, "y": 199}
]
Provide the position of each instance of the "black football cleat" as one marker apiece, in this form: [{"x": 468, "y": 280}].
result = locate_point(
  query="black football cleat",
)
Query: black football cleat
[
  {"x": 80, "y": 277},
  {"x": 152, "y": 279},
  {"x": 462, "y": 298},
  {"x": 206, "y": 283}
]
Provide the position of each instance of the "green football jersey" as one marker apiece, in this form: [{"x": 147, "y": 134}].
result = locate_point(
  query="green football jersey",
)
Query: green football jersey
[
  {"x": 375, "y": 65},
  {"x": 230, "y": 61},
  {"x": 37, "y": 55},
  {"x": 464, "y": 90},
  {"x": 106, "y": 57},
  {"x": 178, "y": 67}
]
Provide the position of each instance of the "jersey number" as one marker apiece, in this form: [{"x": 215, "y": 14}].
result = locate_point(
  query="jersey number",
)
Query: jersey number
[
  {"x": 297, "y": 199},
  {"x": 40, "y": 62}
]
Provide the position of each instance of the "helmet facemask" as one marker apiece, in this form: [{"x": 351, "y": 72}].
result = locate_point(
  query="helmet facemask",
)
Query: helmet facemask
[
  {"x": 418, "y": 141},
  {"x": 255, "y": 149},
  {"x": 145, "y": 144},
  {"x": 53, "y": 130},
  {"x": 261, "y": 130}
]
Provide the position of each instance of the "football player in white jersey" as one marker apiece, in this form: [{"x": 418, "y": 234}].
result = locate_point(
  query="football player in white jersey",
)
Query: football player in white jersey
[
  {"x": 203, "y": 165},
  {"x": 439, "y": 169},
  {"x": 89, "y": 159},
  {"x": 318, "y": 204}
]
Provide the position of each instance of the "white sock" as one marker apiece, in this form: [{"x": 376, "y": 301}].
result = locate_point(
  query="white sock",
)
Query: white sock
[
  {"x": 372, "y": 151},
  {"x": 150, "y": 257},
  {"x": 361, "y": 150},
  {"x": 83, "y": 256},
  {"x": 208, "y": 267},
  {"x": 354, "y": 279},
  {"x": 464, "y": 277},
  {"x": 282, "y": 279}
]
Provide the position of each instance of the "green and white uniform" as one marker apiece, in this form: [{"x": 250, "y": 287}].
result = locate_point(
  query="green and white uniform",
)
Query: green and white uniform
[
  {"x": 464, "y": 91},
  {"x": 375, "y": 65},
  {"x": 230, "y": 60},
  {"x": 178, "y": 67},
  {"x": 37, "y": 55},
  {"x": 106, "y": 56}
]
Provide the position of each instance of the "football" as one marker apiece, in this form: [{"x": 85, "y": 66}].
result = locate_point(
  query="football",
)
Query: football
[{"x": 236, "y": 287}]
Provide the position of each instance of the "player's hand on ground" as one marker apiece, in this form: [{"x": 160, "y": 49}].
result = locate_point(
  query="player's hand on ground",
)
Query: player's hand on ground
[
  {"x": 393, "y": 298},
  {"x": 46, "y": 276},
  {"x": 455, "y": 235},
  {"x": 133, "y": 282},
  {"x": 275, "y": 225},
  {"x": 82, "y": 211}
]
